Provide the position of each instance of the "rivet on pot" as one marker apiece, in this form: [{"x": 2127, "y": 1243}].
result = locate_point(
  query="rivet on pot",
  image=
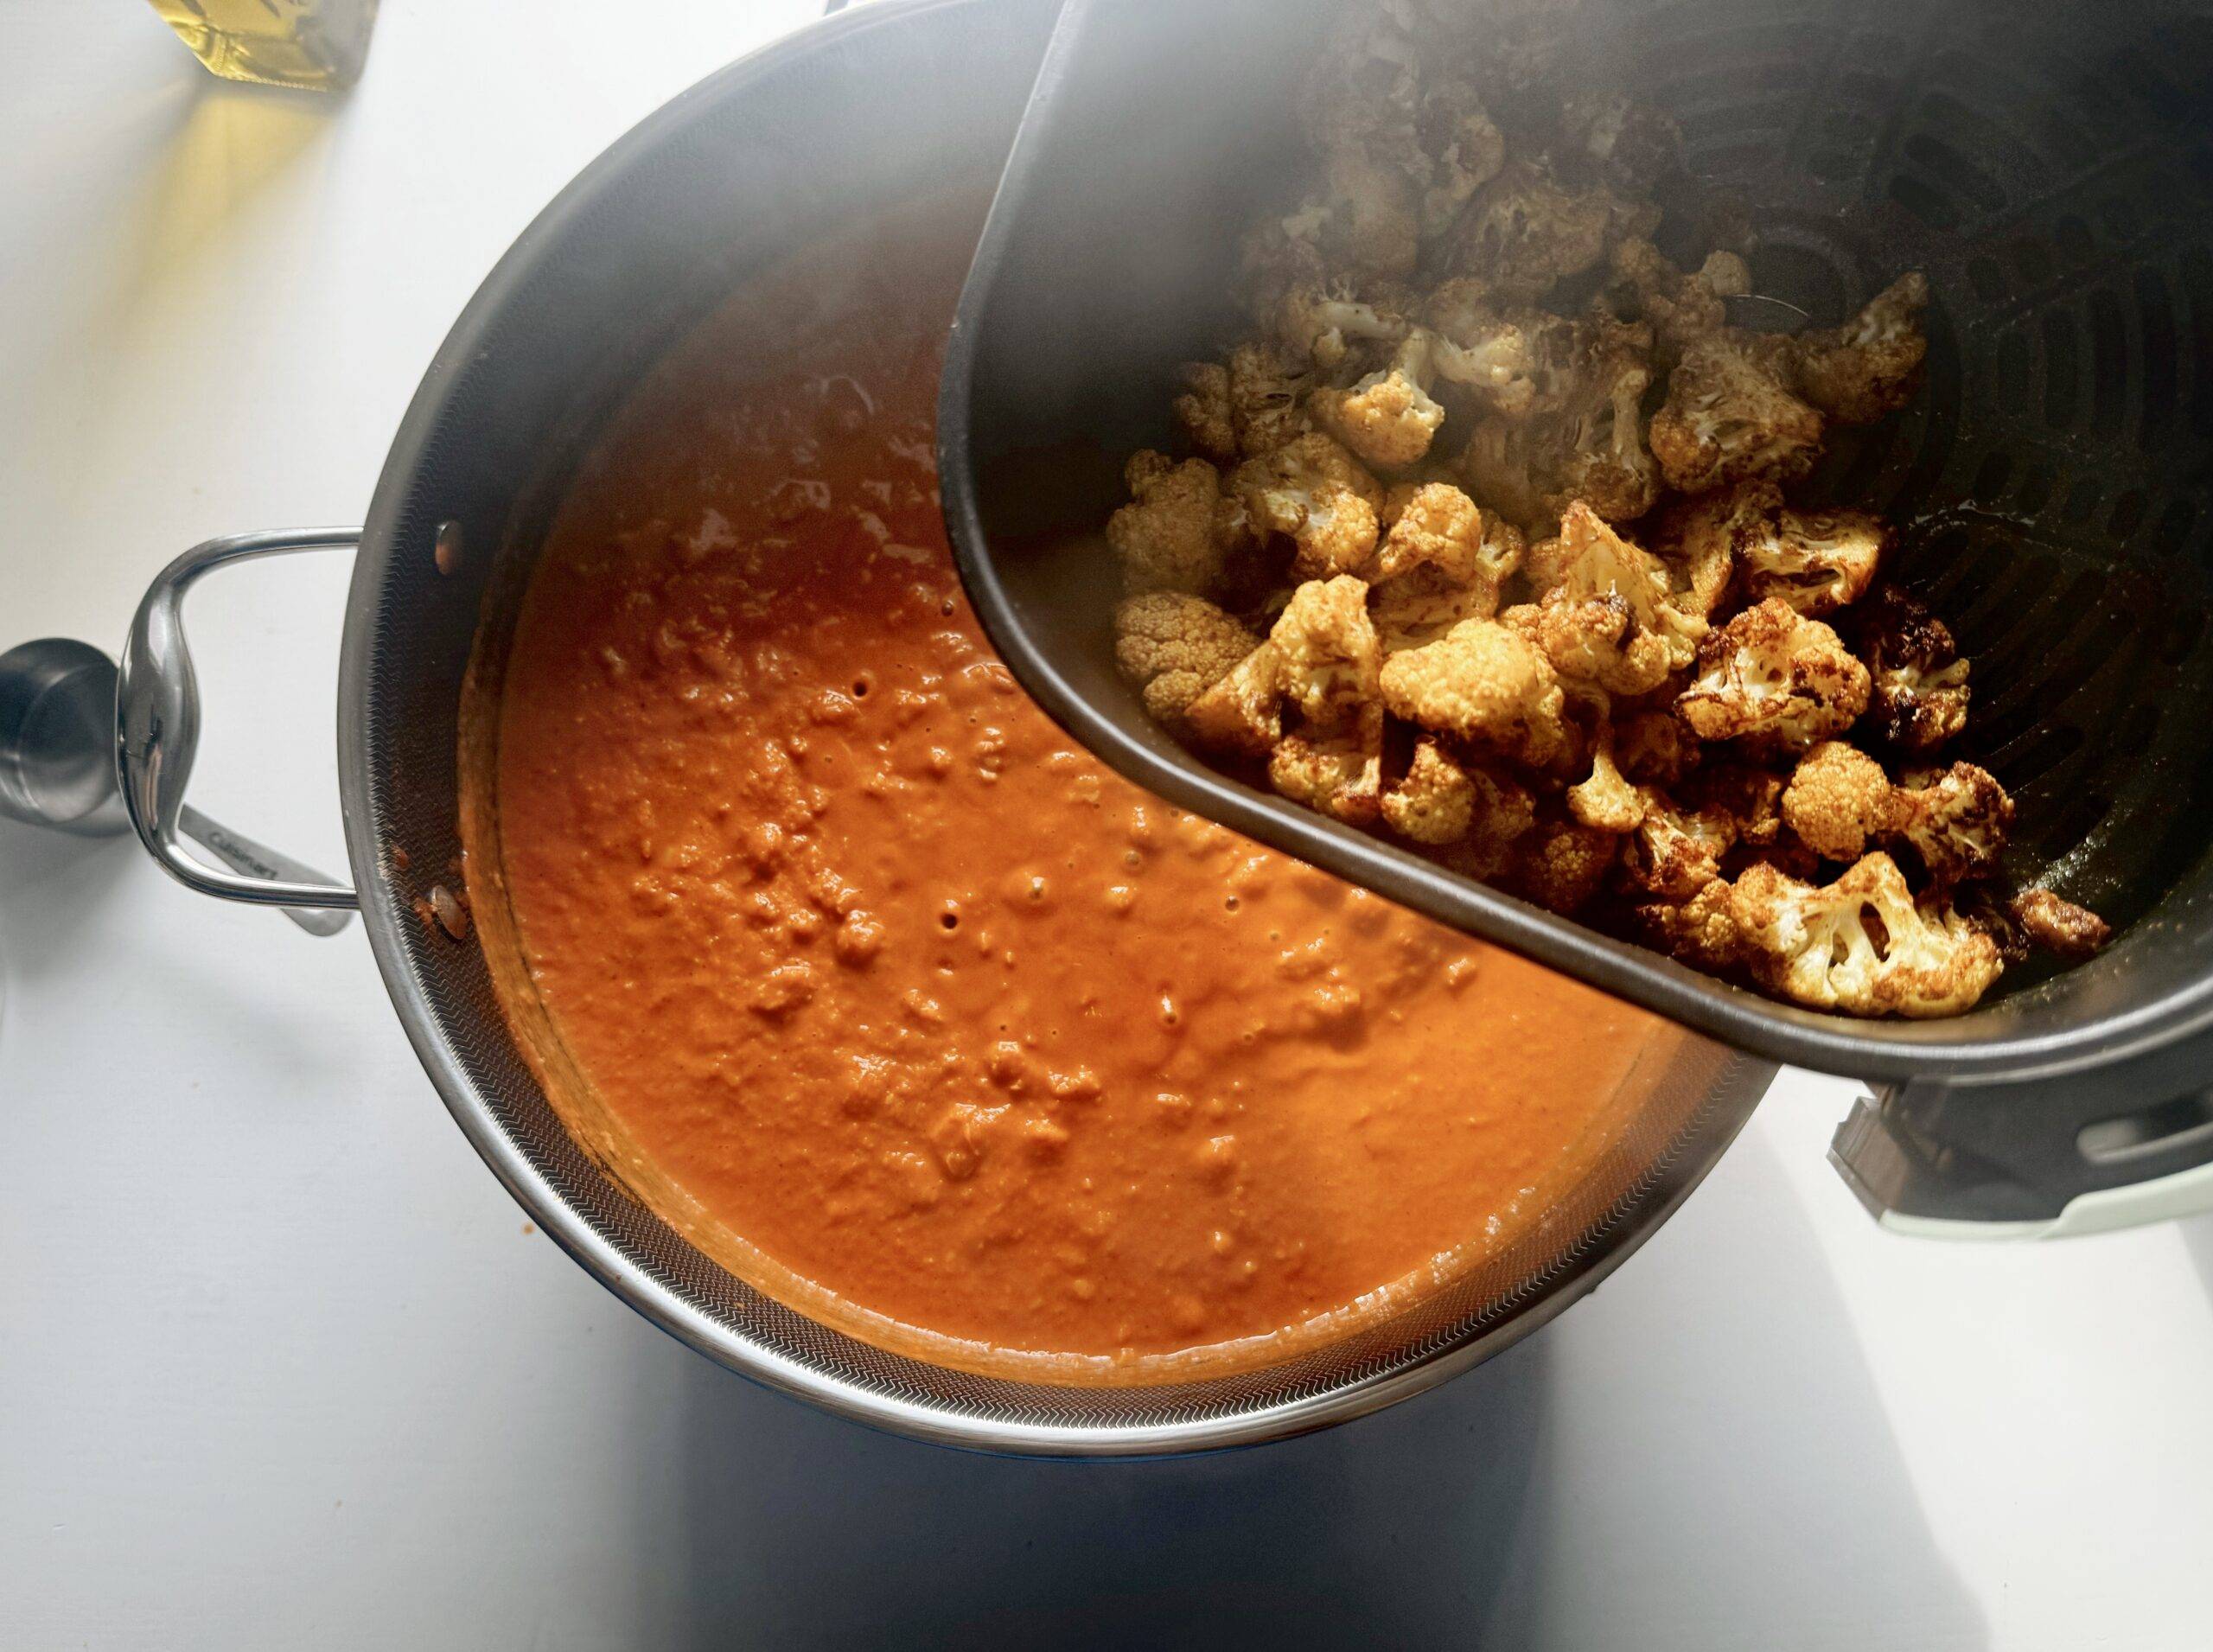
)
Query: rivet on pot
[{"x": 446, "y": 550}]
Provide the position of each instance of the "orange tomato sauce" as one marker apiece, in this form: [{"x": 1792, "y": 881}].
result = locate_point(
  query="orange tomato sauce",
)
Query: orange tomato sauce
[{"x": 913, "y": 1013}]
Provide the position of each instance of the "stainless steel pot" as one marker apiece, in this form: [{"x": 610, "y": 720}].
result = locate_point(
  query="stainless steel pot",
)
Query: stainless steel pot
[{"x": 829, "y": 130}]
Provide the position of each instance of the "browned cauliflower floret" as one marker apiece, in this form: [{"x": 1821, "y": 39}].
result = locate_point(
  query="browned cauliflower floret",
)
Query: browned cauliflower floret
[
  {"x": 1838, "y": 801},
  {"x": 1585, "y": 440},
  {"x": 1178, "y": 528},
  {"x": 1438, "y": 526},
  {"x": 1605, "y": 614},
  {"x": 1816, "y": 561},
  {"x": 1511, "y": 359},
  {"x": 1203, "y": 411},
  {"x": 1461, "y": 151},
  {"x": 1330, "y": 654},
  {"x": 1861, "y": 944},
  {"x": 1920, "y": 694},
  {"x": 1750, "y": 796},
  {"x": 1382, "y": 91},
  {"x": 1653, "y": 749},
  {"x": 1730, "y": 413},
  {"x": 1675, "y": 850},
  {"x": 1699, "y": 537},
  {"x": 1956, "y": 821},
  {"x": 1681, "y": 307},
  {"x": 1250, "y": 405},
  {"x": 1322, "y": 324},
  {"x": 1444, "y": 561},
  {"x": 1773, "y": 681},
  {"x": 1871, "y": 364},
  {"x": 1387, "y": 419},
  {"x": 1482, "y": 682},
  {"x": 1562, "y": 863},
  {"x": 1241, "y": 715},
  {"x": 1605, "y": 798},
  {"x": 1337, "y": 772},
  {"x": 1174, "y": 647},
  {"x": 1501, "y": 812},
  {"x": 1434, "y": 802},
  {"x": 1524, "y": 231},
  {"x": 1313, "y": 491},
  {"x": 1701, "y": 932},
  {"x": 1333, "y": 760},
  {"x": 2059, "y": 926}
]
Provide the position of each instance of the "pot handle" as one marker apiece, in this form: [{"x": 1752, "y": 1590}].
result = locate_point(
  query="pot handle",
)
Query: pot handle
[{"x": 157, "y": 732}]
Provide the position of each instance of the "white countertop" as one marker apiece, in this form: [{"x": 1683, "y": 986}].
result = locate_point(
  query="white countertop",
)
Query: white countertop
[{"x": 281, "y": 1365}]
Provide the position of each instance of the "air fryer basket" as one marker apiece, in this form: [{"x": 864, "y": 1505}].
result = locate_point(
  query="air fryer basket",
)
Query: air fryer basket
[
  {"x": 775, "y": 153},
  {"x": 2051, "y": 168}
]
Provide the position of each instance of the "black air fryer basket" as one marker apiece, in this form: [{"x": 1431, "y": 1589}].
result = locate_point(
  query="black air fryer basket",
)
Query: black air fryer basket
[{"x": 2051, "y": 168}]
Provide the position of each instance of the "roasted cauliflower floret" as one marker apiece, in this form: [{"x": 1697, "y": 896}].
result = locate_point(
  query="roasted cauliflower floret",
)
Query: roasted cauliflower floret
[
  {"x": 1438, "y": 526},
  {"x": 1381, "y": 92},
  {"x": 1605, "y": 798},
  {"x": 1701, "y": 932},
  {"x": 1501, "y": 812},
  {"x": 2058, "y": 926},
  {"x": 1434, "y": 802},
  {"x": 1594, "y": 641},
  {"x": 1682, "y": 307},
  {"x": 1444, "y": 561},
  {"x": 1605, "y": 614},
  {"x": 1730, "y": 413},
  {"x": 1238, "y": 410},
  {"x": 1750, "y": 796},
  {"x": 1956, "y": 821},
  {"x": 1584, "y": 441},
  {"x": 1816, "y": 561},
  {"x": 1773, "y": 681},
  {"x": 1483, "y": 683},
  {"x": 1241, "y": 715},
  {"x": 1322, "y": 324},
  {"x": 1510, "y": 358},
  {"x": 1330, "y": 654},
  {"x": 1337, "y": 772},
  {"x": 1653, "y": 749},
  {"x": 1173, "y": 647},
  {"x": 1525, "y": 231},
  {"x": 1314, "y": 491},
  {"x": 1871, "y": 364},
  {"x": 1920, "y": 683},
  {"x": 1861, "y": 945},
  {"x": 1387, "y": 419},
  {"x": 1202, "y": 412},
  {"x": 1461, "y": 151},
  {"x": 1562, "y": 863},
  {"x": 1699, "y": 539},
  {"x": 1839, "y": 801},
  {"x": 1673, "y": 852},
  {"x": 1176, "y": 530}
]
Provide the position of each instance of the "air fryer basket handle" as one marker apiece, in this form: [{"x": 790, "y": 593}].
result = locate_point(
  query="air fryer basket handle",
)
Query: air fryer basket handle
[
  {"x": 2114, "y": 1147},
  {"x": 157, "y": 731}
]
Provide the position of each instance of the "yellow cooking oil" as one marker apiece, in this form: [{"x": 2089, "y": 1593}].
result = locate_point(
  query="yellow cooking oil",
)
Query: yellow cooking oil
[{"x": 317, "y": 44}]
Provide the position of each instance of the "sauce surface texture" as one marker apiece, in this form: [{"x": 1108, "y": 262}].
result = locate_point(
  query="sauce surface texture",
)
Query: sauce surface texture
[{"x": 953, "y": 1024}]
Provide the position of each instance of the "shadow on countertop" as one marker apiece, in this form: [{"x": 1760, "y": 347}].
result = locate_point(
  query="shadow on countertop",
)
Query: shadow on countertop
[{"x": 1695, "y": 1458}]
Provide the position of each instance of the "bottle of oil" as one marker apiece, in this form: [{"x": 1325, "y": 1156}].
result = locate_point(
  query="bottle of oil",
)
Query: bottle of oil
[{"x": 318, "y": 44}]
